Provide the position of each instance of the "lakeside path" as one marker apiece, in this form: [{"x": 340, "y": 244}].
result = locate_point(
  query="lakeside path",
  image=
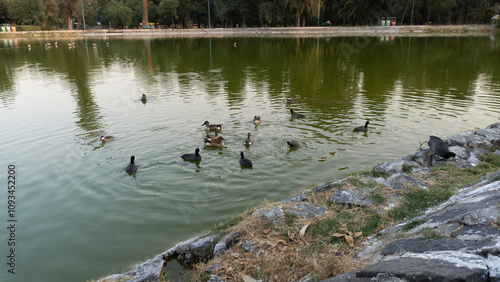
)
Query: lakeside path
[{"x": 414, "y": 30}]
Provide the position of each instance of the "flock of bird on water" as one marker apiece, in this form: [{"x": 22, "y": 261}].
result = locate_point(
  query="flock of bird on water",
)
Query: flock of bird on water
[{"x": 215, "y": 140}]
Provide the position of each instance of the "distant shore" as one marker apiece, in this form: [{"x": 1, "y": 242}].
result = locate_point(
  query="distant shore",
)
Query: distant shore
[{"x": 405, "y": 30}]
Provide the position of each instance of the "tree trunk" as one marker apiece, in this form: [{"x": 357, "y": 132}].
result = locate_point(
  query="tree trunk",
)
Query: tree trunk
[
  {"x": 404, "y": 13},
  {"x": 145, "y": 21},
  {"x": 70, "y": 26}
]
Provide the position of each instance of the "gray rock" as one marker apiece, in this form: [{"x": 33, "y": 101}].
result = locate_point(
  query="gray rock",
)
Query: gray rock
[
  {"x": 460, "y": 152},
  {"x": 215, "y": 279},
  {"x": 401, "y": 180},
  {"x": 417, "y": 245},
  {"x": 491, "y": 176},
  {"x": 201, "y": 248},
  {"x": 489, "y": 134},
  {"x": 379, "y": 180},
  {"x": 227, "y": 242},
  {"x": 251, "y": 247},
  {"x": 299, "y": 198},
  {"x": 421, "y": 157},
  {"x": 307, "y": 210},
  {"x": 463, "y": 163},
  {"x": 467, "y": 139},
  {"x": 434, "y": 266},
  {"x": 212, "y": 269},
  {"x": 149, "y": 270},
  {"x": 273, "y": 216},
  {"x": 355, "y": 197},
  {"x": 325, "y": 186},
  {"x": 493, "y": 263},
  {"x": 351, "y": 277},
  {"x": 471, "y": 206},
  {"x": 389, "y": 167},
  {"x": 473, "y": 160},
  {"x": 449, "y": 228},
  {"x": 308, "y": 278},
  {"x": 460, "y": 140},
  {"x": 494, "y": 127},
  {"x": 477, "y": 152}
]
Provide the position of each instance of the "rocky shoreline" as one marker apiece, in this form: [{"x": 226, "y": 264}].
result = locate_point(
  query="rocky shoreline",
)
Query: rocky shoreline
[
  {"x": 406, "y": 30},
  {"x": 457, "y": 240}
]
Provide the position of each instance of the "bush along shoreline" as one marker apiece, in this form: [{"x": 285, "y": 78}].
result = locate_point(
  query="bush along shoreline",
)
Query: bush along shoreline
[{"x": 421, "y": 217}]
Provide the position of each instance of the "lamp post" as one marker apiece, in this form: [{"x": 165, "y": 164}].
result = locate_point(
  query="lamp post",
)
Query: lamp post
[
  {"x": 412, "y": 5},
  {"x": 83, "y": 16},
  {"x": 319, "y": 4},
  {"x": 208, "y": 13}
]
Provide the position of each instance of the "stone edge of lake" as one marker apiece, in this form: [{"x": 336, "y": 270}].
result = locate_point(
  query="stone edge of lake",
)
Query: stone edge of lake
[{"x": 403, "y": 30}]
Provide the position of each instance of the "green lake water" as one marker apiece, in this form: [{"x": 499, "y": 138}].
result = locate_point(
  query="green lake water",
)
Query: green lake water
[{"x": 80, "y": 216}]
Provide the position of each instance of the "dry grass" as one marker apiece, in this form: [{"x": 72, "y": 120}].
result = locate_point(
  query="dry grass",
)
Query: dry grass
[
  {"x": 284, "y": 255},
  {"x": 328, "y": 245}
]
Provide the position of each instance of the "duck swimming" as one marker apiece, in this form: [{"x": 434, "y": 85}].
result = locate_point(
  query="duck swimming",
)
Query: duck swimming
[
  {"x": 192, "y": 157},
  {"x": 215, "y": 143},
  {"x": 212, "y": 127},
  {"x": 248, "y": 141},
  {"x": 362, "y": 128},
  {"x": 106, "y": 138},
  {"x": 213, "y": 137},
  {"x": 294, "y": 115},
  {"x": 256, "y": 119},
  {"x": 290, "y": 100},
  {"x": 293, "y": 144},
  {"x": 144, "y": 98},
  {"x": 245, "y": 162},
  {"x": 440, "y": 147},
  {"x": 131, "y": 168}
]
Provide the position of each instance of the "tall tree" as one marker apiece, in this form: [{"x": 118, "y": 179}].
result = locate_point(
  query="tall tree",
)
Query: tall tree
[
  {"x": 50, "y": 11},
  {"x": 67, "y": 9},
  {"x": 118, "y": 14},
  {"x": 168, "y": 10},
  {"x": 145, "y": 20}
]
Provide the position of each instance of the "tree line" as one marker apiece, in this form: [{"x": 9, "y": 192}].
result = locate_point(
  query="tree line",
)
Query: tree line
[{"x": 242, "y": 13}]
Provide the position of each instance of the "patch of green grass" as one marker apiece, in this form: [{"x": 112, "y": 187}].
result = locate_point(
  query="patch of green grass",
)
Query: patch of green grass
[
  {"x": 489, "y": 160},
  {"x": 324, "y": 228},
  {"x": 377, "y": 198},
  {"x": 355, "y": 181},
  {"x": 412, "y": 224},
  {"x": 371, "y": 225},
  {"x": 289, "y": 218},
  {"x": 378, "y": 174},
  {"x": 429, "y": 233},
  {"x": 408, "y": 168},
  {"x": 417, "y": 201},
  {"x": 232, "y": 221}
]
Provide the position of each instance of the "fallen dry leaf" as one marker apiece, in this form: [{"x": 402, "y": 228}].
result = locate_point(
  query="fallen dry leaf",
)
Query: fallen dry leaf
[
  {"x": 247, "y": 278},
  {"x": 349, "y": 240},
  {"x": 357, "y": 234},
  {"x": 380, "y": 228},
  {"x": 493, "y": 223},
  {"x": 302, "y": 231},
  {"x": 338, "y": 235}
]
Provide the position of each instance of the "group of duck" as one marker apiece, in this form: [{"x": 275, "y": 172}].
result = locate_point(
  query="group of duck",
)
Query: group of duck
[{"x": 215, "y": 140}]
